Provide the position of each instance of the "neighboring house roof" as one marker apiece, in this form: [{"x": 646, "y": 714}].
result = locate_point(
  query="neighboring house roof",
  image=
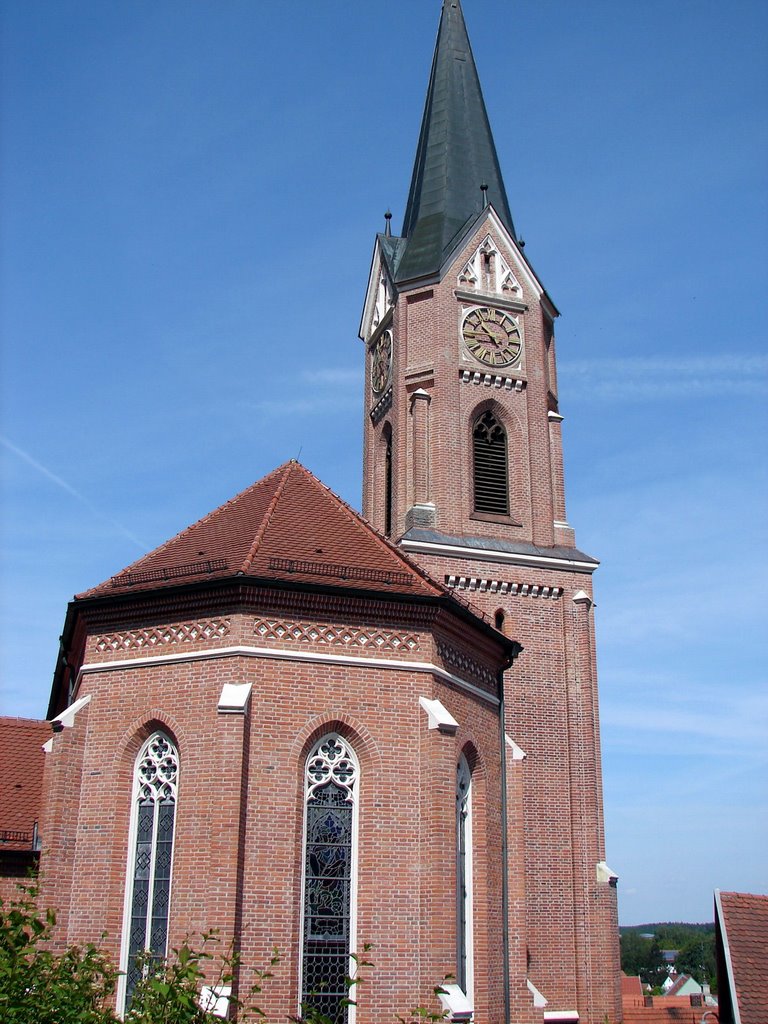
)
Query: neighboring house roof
[
  {"x": 657, "y": 1014},
  {"x": 455, "y": 156},
  {"x": 741, "y": 927},
  {"x": 21, "y": 779},
  {"x": 287, "y": 527},
  {"x": 684, "y": 985},
  {"x": 631, "y": 986}
]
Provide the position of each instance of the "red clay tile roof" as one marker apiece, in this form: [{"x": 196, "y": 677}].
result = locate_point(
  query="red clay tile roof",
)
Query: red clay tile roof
[
  {"x": 21, "y": 779},
  {"x": 286, "y": 527},
  {"x": 631, "y": 986},
  {"x": 744, "y": 926},
  {"x": 660, "y": 1014}
]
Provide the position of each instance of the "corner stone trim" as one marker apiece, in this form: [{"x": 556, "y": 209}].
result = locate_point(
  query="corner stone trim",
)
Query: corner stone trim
[
  {"x": 462, "y": 662},
  {"x": 501, "y": 587},
  {"x": 157, "y": 636},
  {"x": 335, "y": 636}
]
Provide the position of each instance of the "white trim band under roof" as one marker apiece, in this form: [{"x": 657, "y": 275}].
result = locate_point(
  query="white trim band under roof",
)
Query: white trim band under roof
[
  {"x": 425, "y": 547},
  {"x": 283, "y": 655}
]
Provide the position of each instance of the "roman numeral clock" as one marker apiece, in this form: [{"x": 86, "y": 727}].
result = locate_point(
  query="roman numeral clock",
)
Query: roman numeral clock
[{"x": 492, "y": 336}]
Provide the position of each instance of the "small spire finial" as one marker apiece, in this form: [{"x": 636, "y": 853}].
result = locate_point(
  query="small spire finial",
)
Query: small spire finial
[
  {"x": 484, "y": 190},
  {"x": 388, "y": 226}
]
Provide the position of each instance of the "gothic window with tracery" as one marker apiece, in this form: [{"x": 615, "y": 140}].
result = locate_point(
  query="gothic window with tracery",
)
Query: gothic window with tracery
[
  {"x": 330, "y": 825},
  {"x": 491, "y": 483},
  {"x": 153, "y": 822},
  {"x": 464, "y": 876},
  {"x": 387, "y": 435}
]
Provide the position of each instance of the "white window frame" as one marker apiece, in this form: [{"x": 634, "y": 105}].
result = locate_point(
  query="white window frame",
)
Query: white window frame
[
  {"x": 307, "y": 792},
  {"x": 122, "y": 983},
  {"x": 465, "y": 901}
]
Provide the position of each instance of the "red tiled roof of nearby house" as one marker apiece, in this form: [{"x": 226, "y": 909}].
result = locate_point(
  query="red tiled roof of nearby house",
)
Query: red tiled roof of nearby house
[
  {"x": 680, "y": 980},
  {"x": 668, "y": 1014},
  {"x": 631, "y": 987},
  {"x": 744, "y": 925},
  {"x": 21, "y": 779},
  {"x": 286, "y": 527}
]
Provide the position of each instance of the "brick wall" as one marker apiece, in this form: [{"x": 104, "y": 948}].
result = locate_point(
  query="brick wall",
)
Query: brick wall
[{"x": 237, "y": 856}]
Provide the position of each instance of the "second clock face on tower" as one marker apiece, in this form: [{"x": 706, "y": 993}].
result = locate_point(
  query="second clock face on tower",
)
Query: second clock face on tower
[
  {"x": 492, "y": 336},
  {"x": 381, "y": 362}
]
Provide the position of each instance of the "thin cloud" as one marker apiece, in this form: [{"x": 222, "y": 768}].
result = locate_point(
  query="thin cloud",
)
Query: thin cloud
[
  {"x": 662, "y": 379},
  {"x": 308, "y": 406},
  {"x": 334, "y": 389},
  {"x": 331, "y": 375},
  {"x": 728, "y": 725},
  {"x": 64, "y": 486}
]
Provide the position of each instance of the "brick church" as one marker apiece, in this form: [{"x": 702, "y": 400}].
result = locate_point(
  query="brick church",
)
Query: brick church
[{"x": 313, "y": 729}]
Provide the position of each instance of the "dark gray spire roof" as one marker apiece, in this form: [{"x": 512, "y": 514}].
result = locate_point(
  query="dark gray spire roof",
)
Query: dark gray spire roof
[{"x": 455, "y": 155}]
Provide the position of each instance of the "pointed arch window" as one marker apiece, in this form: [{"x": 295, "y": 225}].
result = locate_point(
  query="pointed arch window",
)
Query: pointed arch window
[
  {"x": 464, "y": 893},
  {"x": 491, "y": 480},
  {"x": 387, "y": 435},
  {"x": 330, "y": 868},
  {"x": 153, "y": 822}
]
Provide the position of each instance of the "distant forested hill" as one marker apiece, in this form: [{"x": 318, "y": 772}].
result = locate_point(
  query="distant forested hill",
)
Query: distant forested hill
[{"x": 695, "y": 944}]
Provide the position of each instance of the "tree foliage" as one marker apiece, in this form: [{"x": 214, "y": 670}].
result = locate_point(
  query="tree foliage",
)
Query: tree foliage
[
  {"x": 37, "y": 986},
  {"x": 40, "y": 986},
  {"x": 697, "y": 958},
  {"x": 695, "y": 945}
]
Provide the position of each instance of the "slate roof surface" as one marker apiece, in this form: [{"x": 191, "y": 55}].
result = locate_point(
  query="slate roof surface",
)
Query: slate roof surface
[
  {"x": 518, "y": 547},
  {"x": 455, "y": 155},
  {"x": 21, "y": 778},
  {"x": 287, "y": 526},
  {"x": 744, "y": 922}
]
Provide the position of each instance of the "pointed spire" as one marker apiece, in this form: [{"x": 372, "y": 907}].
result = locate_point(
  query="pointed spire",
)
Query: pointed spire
[{"x": 455, "y": 157}]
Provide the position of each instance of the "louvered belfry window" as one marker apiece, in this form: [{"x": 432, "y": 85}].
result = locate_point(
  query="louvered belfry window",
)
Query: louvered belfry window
[
  {"x": 154, "y": 811},
  {"x": 489, "y": 441},
  {"x": 331, "y": 781}
]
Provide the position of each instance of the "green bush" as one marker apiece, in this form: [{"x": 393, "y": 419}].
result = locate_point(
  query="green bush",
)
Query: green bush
[{"x": 39, "y": 986}]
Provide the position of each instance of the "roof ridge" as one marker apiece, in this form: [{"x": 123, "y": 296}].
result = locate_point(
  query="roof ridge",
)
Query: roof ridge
[
  {"x": 405, "y": 559},
  {"x": 187, "y": 529},
  {"x": 7, "y": 719},
  {"x": 259, "y": 536}
]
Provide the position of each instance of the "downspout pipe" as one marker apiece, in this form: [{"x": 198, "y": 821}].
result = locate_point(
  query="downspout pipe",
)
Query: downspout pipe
[{"x": 504, "y": 843}]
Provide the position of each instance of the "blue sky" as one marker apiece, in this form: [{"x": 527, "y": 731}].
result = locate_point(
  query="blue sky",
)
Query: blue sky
[{"x": 190, "y": 196}]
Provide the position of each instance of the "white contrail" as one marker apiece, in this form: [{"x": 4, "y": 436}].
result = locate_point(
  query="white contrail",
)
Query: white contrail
[{"x": 44, "y": 471}]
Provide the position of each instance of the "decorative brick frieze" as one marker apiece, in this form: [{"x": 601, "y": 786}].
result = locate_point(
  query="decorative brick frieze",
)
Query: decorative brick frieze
[
  {"x": 335, "y": 636},
  {"x": 461, "y": 662},
  {"x": 157, "y": 636},
  {"x": 502, "y": 587},
  {"x": 489, "y": 380}
]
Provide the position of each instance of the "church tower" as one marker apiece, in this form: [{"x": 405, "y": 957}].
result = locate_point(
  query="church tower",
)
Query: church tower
[{"x": 463, "y": 468}]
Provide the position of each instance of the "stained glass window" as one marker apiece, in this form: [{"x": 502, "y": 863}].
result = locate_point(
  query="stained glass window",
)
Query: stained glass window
[
  {"x": 331, "y": 780},
  {"x": 464, "y": 876},
  {"x": 154, "y": 810}
]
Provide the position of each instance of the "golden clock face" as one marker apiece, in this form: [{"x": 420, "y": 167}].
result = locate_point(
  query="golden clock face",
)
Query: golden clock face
[
  {"x": 381, "y": 362},
  {"x": 492, "y": 336}
]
